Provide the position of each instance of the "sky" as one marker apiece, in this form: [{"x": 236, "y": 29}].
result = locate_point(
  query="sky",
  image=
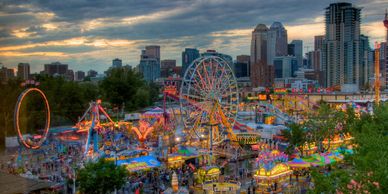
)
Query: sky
[{"x": 89, "y": 34}]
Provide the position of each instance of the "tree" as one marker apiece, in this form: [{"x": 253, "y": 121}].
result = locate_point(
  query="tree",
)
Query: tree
[
  {"x": 324, "y": 124},
  {"x": 296, "y": 138},
  {"x": 366, "y": 170},
  {"x": 124, "y": 86},
  {"x": 101, "y": 177}
]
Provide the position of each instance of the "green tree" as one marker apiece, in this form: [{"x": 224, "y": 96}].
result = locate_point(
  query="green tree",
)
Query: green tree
[
  {"x": 101, "y": 177},
  {"x": 123, "y": 86},
  {"x": 366, "y": 170},
  {"x": 8, "y": 97},
  {"x": 324, "y": 123},
  {"x": 296, "y": 137}
]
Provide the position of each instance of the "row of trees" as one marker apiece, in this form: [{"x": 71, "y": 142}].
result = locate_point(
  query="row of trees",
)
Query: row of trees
[
  {"x": 367, "y": 169},
  {"x": 121, "y": 88},
  {"x": 364, "y": 172},
  {"x": 321, "y": 124}
]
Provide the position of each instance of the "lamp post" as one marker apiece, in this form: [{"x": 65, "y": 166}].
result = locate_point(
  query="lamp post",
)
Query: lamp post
[
  {"x": 256, "y": 113},
  {"x": 74, "y": 178}
]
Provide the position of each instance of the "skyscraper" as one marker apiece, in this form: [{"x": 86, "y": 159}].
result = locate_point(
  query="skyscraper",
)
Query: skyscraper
[
  {"x": 117, "y": 63},
  {"x": 298, "y": 51},
  {"x": 276, "y": 42},
  {"x": 386, "y": 49},
  {"x": 23, "y": 71},
  {"x": 318, "y": 42},
  {"x": 188, "y": 56},
  {"x": 340, "y": 51},
  {"x": 364, "y": 61},
  {"x": 261, "y": 72}
]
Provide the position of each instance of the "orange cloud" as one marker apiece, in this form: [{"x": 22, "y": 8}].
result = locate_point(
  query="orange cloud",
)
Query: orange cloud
[
  {"x": 78, "y": 41},
  {"x": 21, "y": 54}
]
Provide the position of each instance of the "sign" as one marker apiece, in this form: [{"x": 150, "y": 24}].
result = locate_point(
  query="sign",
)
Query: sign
[
  {"x": 262, "y": 97},
  {"x": 137, "y": 166},
  {"x": 280, "y": 90},
  {"x": 253, "y": 97}
]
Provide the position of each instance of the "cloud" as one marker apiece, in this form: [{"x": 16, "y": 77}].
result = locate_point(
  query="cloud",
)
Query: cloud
[{"x": 89, "y": 34}]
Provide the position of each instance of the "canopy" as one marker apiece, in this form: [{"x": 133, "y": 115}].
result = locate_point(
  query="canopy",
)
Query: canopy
[
  {"x": 154, "y": 112},
  {"x": 298, "y": 163},
  {"x": 183, "y": 150},
  {"x": 319, "y": 160},
  {"x": 140, "y": 163}
]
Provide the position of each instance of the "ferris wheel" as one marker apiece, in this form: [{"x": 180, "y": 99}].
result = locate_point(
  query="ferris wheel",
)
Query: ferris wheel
[{"x": 209, "y": 97}]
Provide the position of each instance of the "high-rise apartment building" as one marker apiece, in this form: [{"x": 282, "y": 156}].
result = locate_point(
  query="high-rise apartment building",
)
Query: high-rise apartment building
[
  {"x": 23, "y": 71},
  {"x": 188, "y": 56},
  {"x": 341, "y": 48}
]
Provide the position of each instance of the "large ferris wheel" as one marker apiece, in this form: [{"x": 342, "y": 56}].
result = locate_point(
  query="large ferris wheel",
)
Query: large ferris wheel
[{"x": 209, "y": 97}]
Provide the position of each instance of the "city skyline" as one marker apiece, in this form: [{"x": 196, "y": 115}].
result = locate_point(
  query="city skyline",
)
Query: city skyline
[{"x": 90, "y": 35}]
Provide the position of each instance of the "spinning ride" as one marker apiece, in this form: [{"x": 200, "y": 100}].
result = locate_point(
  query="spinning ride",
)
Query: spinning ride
[
  {"x": 209, "y": 96},
  {"x": 36, "y": 140},
  {"x": 93, "y": 125}
]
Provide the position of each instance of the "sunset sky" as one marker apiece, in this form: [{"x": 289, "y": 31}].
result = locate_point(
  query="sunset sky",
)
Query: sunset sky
[{"x": 88, "y": 34}]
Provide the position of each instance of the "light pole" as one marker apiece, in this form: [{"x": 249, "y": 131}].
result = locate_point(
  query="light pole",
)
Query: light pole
[
  {"x": 256, "y": 113},
  {"x": 74, "y": 178}
]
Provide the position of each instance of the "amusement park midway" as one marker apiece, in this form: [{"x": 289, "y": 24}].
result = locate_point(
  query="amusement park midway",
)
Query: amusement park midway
[{"x": 199, "y": 137}]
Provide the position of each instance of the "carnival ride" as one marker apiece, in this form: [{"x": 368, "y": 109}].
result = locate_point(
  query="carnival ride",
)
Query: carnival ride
[
  {"x": 142, "y": 131},
  {"x": 209, "y": 96},
  {"x": 36, "y": 140},
  {"x": 93, "y": 125}
]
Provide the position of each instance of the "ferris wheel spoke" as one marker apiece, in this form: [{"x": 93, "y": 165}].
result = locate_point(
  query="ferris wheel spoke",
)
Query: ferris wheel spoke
[
  {"x": 206, "y": 73},
  {"x": 197, "y": 87},
  {"x": 221, "y": 77},
  {"x": 202, "y": 80},
  {"x": 215, "y": 75}
]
